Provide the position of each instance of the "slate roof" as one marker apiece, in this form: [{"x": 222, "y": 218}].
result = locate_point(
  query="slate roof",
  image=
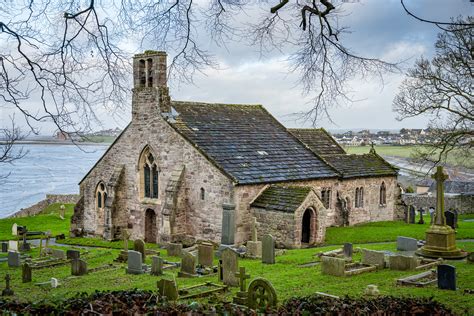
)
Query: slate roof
[
  {"x": 318, "y": 140},
  {"x": 247, "y": 143},
  {"x": 281, "y": 198},
  {"x": 366, "y": 165}
]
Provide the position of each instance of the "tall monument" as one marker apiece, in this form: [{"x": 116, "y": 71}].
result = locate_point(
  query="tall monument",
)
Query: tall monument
[{"x": 440, "y": 238}]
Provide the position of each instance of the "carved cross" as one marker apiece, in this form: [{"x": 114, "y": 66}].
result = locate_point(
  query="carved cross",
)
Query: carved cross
[
  {"x": 242, "y": 278},
  {"x": 440, "y": 177}
]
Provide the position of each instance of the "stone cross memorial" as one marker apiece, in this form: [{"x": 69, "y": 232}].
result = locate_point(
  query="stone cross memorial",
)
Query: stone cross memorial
[
  {"x": 254, "y": 247},
  {"x": 268, "y": 249},
  {"x": 7, "y": 291}
]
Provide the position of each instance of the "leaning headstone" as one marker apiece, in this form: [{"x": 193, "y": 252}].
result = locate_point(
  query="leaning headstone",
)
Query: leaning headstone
[
  {"x": 230, "y": 265},
  {"x": 412, "y": 214},
  {"x": 134, "y": 262},
  {"x": 156, "y": 265},
  {"x": 26, "y": 273},
  {"x": 332, "y": 266},
  {"x": 73, "y": 254},
  {"x": 261, "y": 294},
  {"x": 174, "y": 250},
  {"x": 59, "y": 254},
  {"x": 78, "y": 267},
  {"x": 242, "y": 296},
  {"x": 228, "y": 224},
  {"x": 268, "y": 249},
  {"x": 206, "y": 254},
  {"x": 13, "y": 259},
  {"x": 188, "y": 266},
  {"x": 446, "y": 277},
  {"x": 407, "y": 244},
  {"x": 168, "y": 288},
  {"x": 139, "y": 245},
  {"x": 373, "y": 257},
  {"x": 13, "y": 245},
  {"x": 402, "y": 263},
  {"x": 7, "y": 291},
  {"x": 347, "y": 250},
  {"x": 450, "y": 219},
  {"x": 4, "y": 246}
]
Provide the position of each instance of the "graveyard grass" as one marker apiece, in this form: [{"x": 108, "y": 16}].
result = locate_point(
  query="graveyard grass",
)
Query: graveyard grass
[{"x": 288, "y": 279}]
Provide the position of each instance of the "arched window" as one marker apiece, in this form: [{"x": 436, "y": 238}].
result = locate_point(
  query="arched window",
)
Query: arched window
[
  {"x": 141, "y": 71},
  {"x": 383, "y": 194},
  {"x": 100, "y": 196},
  {"x": 326, "y": 197},
  {"x": 203, "y": 194},
  {"x": 359, "y": 197},
  {"x": 149, "y": 175}
]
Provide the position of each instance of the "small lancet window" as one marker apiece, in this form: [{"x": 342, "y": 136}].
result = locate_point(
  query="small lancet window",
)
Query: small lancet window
[
  {"x": 141, "y": 72},
  {"x": 203, "y": 194},
  {"x": 149, "y": 71},
  {"x": 383, "y": 194}
]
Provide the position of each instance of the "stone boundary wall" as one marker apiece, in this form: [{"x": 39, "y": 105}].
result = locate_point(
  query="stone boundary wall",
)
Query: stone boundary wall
[
  {"x": 50, "y": 199},
  {"x": 463, "y": 203}
]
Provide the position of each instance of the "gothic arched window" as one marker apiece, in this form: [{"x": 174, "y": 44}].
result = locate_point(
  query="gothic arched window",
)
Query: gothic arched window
[
  {"x": 100, "y": 196},
  {"x": 359, "y": 197},
  {"x": 383, "y": 194},
  {"x": 149, "y": 175}
]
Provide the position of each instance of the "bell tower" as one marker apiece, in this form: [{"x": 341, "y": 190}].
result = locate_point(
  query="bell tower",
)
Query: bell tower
[{"x": 150, "y": 90}]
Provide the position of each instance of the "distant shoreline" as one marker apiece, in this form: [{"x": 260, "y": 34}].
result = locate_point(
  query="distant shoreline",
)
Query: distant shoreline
[{"x": 58, "y": 142}]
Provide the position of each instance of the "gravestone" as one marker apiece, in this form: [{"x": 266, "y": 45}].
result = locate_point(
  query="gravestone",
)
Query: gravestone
[
  {"x": 206, "y": 254},
  {"x": 13, "y": 245},
  {"x": 15, "y": 229},
  {"x": 73, "y": 254},
  {"x": 174, "y": 250},
  {"x": 228, "y": 224},
  {"x": 242, "y": 295},
  {"x": 347, "y": 250},
  {"x": 134, "y": 262},
  {"x": 254, "y": 246},
  {"x": 230, "y": 265},
  {"x": 62, "y": 211},
  {"x": 13, "y": 259},
  {"x": 4, "y": 246},
  {"x": 412, "y": 214},
  {"x": 421, "y": 221},
  {"x": 268, "y": 249},
  {"x": 156, "y": 265},
  {"x": 168, "y": 288},
  {"x": 332, "y": 266},
  {"x": 261, "y": 294},
  {"x": 188, "y": 265},
  {"x": 402, "y": 263},
  {"x": 373, "y": 257},
  {"x": 7, "y": 291},
  {"x": 450, "y": 219},
  {"x": 26, "y": 273},
  {"x": 407, "y": 244},
  {"x": 431, "y": 210},
  {"x": 456, "y": 213},
  {"x": 446, "y": 277},
  {"x": 139, "y": 245},
  {"x": 59, "y": 254},
  {"x": 78, "y": 267}
]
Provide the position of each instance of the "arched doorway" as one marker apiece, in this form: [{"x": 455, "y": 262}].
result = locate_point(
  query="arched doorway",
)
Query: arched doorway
[
  {"x": 307, "y": 226},
  {"x": 150, "y": 226}
]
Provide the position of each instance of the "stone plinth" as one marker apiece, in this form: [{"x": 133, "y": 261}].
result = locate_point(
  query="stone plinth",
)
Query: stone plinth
[
  {"x": 254, "y": 249},
  {"x": 441, "y": 243}
]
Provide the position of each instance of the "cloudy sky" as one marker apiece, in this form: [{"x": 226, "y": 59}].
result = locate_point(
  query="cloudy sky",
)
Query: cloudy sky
[{"x": 379, "y": 28}]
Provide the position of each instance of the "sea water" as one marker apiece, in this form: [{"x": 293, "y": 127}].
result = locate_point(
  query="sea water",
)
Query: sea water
[{"x": 45, "y": 169}]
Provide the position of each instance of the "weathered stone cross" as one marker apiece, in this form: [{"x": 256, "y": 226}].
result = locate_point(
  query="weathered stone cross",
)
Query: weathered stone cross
[
  {"x": 7, "y": 290},
  {"x": 242, "y": 278},
  {"x": 440, "y": 177}
]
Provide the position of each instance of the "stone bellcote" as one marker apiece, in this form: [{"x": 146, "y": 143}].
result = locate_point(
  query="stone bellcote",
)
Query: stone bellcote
[{"x": 150, "y": 88}]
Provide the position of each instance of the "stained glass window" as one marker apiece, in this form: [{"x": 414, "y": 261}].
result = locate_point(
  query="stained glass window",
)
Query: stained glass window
[
  {"x": 155, "y": 182},
  {"x": 146, "y": 171}
]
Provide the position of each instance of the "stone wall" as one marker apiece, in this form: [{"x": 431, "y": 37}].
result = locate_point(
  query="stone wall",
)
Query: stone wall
[
  {"x": 278, "y": 224},
  {"x": 463, "y": 203},
  {"x": 50, "y": 199}
]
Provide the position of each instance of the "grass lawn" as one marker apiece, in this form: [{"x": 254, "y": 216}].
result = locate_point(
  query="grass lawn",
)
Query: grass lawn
[
  {"x": 288, "y": 279},
  {"x": 48, "y": 219}
]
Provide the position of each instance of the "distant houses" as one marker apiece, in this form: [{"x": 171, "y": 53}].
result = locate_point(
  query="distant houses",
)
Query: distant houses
[{"x": 403, "y": 137}]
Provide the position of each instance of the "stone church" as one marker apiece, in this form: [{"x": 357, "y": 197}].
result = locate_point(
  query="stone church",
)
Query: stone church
[{"x": 191, "y": 170}]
